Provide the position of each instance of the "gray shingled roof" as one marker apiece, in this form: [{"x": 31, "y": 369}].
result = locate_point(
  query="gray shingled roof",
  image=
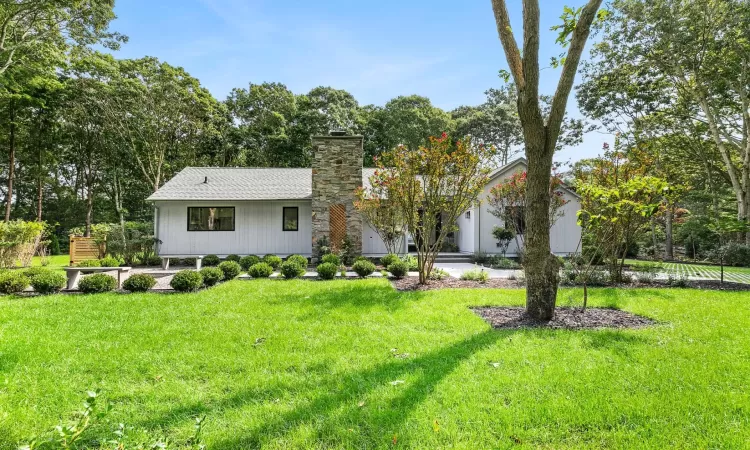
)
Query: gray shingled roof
[{"x": 240, "y": 184}]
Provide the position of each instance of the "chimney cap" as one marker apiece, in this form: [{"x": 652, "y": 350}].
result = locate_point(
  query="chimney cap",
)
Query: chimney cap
[{"x": 337, "y": 132}]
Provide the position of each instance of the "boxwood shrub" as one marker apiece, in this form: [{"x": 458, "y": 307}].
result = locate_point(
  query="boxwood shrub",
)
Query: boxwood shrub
[
  {"x": 292, "y": 269},
  {"x": 211, "y": 275},
  {"x": 233, "y": 257},
  {"x": 327, "y": 271},
  {"x": 211, "y": 260},
  {"x": 363, "y": 268},
  {"x": 398, "y": 269},
  {"x": 331, "y": 259},
  {"x": 139, "y": 282},
  {"x": 48, "y": 282},
  {"x": 299, "y": 259},
  {"x": 230, "y": 269},
  {"x": 89, "y": 263},
  {"x": 246, "y": 262},
  {"x": 13, "y": 282},
  {"x": 31, "y": 272},
  {"x": 260, "y": 270},
  {"x": 110, "y": 261},
  {"x": 96, "y": 283},
  {"x": 389, "y": 259},
  {"x": 273, "y": 261},
  {"x": 186, "y": 281}
]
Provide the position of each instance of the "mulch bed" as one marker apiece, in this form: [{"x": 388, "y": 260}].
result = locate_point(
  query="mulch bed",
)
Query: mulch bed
[
  {"x": 565, "y": 318},
  {"x": 412, "y": 284}
]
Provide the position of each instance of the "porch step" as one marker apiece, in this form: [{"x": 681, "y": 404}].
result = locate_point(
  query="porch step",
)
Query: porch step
[{"x": 453, "y": 258}]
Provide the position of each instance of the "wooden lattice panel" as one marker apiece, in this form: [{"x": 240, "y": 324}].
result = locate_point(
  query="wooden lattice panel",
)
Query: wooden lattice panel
[
  {"x": 337, "y": 225},
  {"x": 82, "y": 249}
]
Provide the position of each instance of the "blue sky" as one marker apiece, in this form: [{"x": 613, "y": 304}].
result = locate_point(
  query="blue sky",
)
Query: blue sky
[{"x": 446, "y": 50}]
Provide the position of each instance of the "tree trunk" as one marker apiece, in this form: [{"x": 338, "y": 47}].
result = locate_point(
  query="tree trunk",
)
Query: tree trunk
[
  {"x": 11, "y": 159},
  {"x": 668, "y": 241},
  {"x": 541, "y": 267}
]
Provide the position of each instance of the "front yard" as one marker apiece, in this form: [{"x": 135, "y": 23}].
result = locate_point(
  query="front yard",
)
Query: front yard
[{"x": 356, "y": 364}]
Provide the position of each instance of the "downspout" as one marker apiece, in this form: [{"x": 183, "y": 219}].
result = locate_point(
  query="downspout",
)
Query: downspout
[{"x": 156, "y": 230}]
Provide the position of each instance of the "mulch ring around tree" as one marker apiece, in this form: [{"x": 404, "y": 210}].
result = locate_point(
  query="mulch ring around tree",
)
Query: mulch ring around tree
[{"x": 565, "y": 318}]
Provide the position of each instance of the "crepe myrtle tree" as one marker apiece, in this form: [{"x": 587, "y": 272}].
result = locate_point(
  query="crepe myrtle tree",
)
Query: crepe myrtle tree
[
  {"x": 541, "y": 131},
  {"x": 507, "y": 202},
  {"x": 431, "y": 183}
]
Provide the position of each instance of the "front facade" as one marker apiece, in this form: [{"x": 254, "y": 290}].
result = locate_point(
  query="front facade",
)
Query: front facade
[{"x": 258, "y": 211}]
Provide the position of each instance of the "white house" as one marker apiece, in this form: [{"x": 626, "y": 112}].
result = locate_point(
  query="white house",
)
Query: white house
[{"x": 258, "y": 211}]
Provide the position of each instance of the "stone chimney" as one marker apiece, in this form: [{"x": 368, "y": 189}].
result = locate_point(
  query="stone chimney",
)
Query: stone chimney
[{"x": 336, "y": 175}]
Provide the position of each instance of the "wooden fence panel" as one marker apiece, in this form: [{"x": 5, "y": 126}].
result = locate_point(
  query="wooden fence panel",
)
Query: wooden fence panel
[{"x": 82, "y": 248}]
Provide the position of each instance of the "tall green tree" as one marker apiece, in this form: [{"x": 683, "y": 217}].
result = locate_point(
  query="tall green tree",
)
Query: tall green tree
[{"x": 541, "y": 133}]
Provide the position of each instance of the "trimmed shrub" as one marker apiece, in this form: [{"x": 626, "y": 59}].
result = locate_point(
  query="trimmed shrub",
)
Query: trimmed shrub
[
  {"x": 292, "y": 269},
  {"x": 411, "y": 262},
  {"x": 151, "y": 260},
  {"x": 361, "y": 258},
  {"x": 363, "y": 268},
  {"x": 327, "y": 270},
  {"x": 233, "y": 257},
  {"x": 97, "y": 283},
  {"x": 398, "y": 269},
  {"x": 13, "y": 282},
  {"x": 31, "y": 272},
  {"x": 89, "y": 263},
  {"x": 211, "y": 260},
  {"x": 500, "y": 262},
  {"x": 299, "y": 259},
  {"x": 331, "y": 259},
  {"x": 48, "y": 282},
  {"x": 476, "y": 275},
  {"x": 110, "y": 261},
  {"x": 187, "y": 262},
  {"x": 139, "y": 282},
  {"x": 273, "y": 261},
  {"x": 389, "y": 259},
  {"x": 260, "y": 270},
  {"x": 211, "y": 275},
  {"x": 230, "y": 269},
  {"x": 186, "y": 281},
  {"x": 246, "y": 262}
]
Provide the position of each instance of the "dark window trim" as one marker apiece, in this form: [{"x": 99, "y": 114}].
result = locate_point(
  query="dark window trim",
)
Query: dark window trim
[
  {"x": 234, "y": 218},
  {"x": 283, "y": 216}
]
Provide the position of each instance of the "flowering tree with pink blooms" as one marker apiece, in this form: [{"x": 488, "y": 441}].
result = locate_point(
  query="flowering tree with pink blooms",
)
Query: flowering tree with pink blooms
[
  {"x": 429, "y": 186},
  {"x": 378, "y": 209},
  {"x": 507, "y": 202}
]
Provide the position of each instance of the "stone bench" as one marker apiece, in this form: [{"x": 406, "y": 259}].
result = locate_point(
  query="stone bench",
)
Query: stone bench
[
  {"x": 74, "y": 273},
  {"x": 165, "y": 260}
]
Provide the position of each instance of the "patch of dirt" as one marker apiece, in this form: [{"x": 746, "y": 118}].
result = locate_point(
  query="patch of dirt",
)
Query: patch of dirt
[
  {"x": 565, "y": 318},
  {"x": 412, "y": 284}
]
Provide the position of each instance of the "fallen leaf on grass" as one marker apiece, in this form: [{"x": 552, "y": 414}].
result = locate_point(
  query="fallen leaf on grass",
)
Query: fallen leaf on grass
[
  {"x": 436, "y": 426},
  {"x": 495, "y": 365},
  {"x": 259, "y": 341},
  {"x": 361, "y": 404},
  {"x": 397, "y": 382}
]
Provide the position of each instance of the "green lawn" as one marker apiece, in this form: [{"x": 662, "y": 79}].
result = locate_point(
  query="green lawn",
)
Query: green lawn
[
  {"x": 735, "y": 274},
  {"x": 322, "y": 378}
]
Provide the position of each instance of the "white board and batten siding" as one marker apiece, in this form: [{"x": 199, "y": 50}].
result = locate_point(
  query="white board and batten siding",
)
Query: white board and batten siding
[{"x": 258, "y": 229}]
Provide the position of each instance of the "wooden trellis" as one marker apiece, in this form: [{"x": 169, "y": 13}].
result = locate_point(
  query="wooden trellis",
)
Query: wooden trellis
[{"x": 337, "y": 225}]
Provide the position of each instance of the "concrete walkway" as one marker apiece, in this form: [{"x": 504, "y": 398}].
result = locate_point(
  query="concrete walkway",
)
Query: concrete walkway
[{"x": 455, "y": 270}]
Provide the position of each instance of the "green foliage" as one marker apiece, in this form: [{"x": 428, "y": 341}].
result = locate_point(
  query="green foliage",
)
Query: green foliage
[
  {"x": 110, "y": 261},
  {"x": 18, "y": 240},
  {"x": 480, "y": 257},
  {"x": 186, "y": 281},
  {"x": 292, "y": 269},
  {"x": 211, "y": 260},
  {"x": 246, "y": 262},
  {"x": 348, "y": 253},
  {"x": 260, "y": 270},
  {"x": 300, "y": 260},
  {"x": 233, "y": 257},
  {"x": 211, "y": 275},
  {"x": 139, "y": 282},
  {"x": 331, "y": 259},
  {"x": 500, "y": 262},
  {"x": 48, "y": 282},
  {"x": 503, "y": 236},
  {"x": 13, "y": 282},
  {"x": 438, "y": 274},
  {"x": 89, "y": 263},
  {"x": 230, "y": 269},
  {"x": 412, "y": 262},
  {"x": 363, "y": 268},
  {"x": 398, "y": 269},
  {"x": 327, "y": 270},
  {"x": 273, "y": 261},
  {"x": 97, "y": 283},
  {"x": 322, "y": 247},
  {"x": 734, "y": 254},
  {"x": 54, "y": 245},
  {"x": 130, "y": 241},
  {"x": 188, "y": 262},
  {"x": 389, "y": 259},
  {"x": 476, "y": 275},
  {"x": 31, "y": 272}
]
